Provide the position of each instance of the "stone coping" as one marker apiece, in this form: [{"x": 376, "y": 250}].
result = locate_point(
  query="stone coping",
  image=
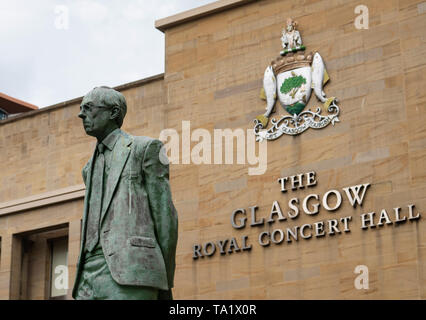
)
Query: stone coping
[
  {"x": 78, "y": 100},
  {"x": 193, "y": 14},
  {"x": 43, "y": 199}
]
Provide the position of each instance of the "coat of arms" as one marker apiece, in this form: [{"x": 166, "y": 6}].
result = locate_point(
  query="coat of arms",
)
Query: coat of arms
[{"x": 293, "y": 76}]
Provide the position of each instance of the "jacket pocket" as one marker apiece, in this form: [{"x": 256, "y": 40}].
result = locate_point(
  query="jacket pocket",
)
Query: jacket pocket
[
  {"x": 134, "y": 175},
  {"x": 130, "y": 175},
  {"x": 138, "y": 241}
]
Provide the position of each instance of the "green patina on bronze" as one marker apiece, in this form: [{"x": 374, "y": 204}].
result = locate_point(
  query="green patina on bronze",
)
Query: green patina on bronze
[{"x": 129, "y": 233}]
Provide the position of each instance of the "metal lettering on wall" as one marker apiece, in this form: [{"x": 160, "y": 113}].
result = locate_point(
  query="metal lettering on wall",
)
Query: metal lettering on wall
[{"x": 310, "y": 205}]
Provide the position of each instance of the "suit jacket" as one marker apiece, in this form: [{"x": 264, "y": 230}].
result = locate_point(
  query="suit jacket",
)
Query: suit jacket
[{"x": 138, "y": 224}]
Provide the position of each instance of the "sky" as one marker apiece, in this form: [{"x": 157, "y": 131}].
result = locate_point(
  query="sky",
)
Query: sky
[{"x": 56, "y": 50}]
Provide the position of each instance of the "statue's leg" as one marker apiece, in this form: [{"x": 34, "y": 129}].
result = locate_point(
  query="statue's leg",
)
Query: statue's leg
[
  {"x": 165, "y": 295},
  {"x": 97, "y": 283}
]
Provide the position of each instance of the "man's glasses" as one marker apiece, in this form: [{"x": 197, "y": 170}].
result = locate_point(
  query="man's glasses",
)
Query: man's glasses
[{"x": 89, "y": 108}]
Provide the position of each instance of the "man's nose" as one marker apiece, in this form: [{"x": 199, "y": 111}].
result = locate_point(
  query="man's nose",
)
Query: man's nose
[{"x": 81, "y": 114}]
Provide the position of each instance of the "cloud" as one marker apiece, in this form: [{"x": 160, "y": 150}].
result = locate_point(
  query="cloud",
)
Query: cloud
[
  {"x": 106, "y": 43},
  {"x": 95, "y": 12}
]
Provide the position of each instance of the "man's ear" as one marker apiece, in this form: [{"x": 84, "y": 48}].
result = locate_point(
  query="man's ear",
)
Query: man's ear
[{"x": 115, "y": 112}]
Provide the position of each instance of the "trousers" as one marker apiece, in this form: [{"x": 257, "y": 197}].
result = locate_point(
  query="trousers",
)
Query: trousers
[{"x": 96, "y": 282}]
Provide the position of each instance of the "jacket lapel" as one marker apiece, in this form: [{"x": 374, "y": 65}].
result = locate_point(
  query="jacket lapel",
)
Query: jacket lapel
[{"x": 119, "y": 157}]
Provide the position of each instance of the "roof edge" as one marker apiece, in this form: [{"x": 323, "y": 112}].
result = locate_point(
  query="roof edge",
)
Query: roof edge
[
  {"x": 18, "y": 101},
  {"x": 196, "y": 13},
  {"x": 77, "y": 100}
]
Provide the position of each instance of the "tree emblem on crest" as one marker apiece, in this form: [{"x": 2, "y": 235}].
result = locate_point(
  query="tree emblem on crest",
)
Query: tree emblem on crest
[{"x": 292, "y": 84}]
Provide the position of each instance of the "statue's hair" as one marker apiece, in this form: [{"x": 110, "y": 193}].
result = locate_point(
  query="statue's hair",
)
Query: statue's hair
[
  {"x": 111, "y": 98},
  {"x": 293, "y": 22}
]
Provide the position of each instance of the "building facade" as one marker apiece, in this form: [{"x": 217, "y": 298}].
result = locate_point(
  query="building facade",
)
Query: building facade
[{"x": 241, "y": 235}]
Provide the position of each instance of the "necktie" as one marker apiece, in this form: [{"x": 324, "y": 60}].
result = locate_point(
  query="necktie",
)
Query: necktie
[{"x": 95, "y": 204}]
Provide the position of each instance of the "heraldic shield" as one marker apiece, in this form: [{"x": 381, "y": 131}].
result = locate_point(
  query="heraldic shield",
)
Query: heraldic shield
[{"x": 292, "y": 77}]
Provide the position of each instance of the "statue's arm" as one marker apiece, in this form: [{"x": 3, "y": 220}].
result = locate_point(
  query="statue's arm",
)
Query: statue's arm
[
  {"x": 160, "y": 200},
  {"x": 84, "y": 173},
  {"x": 298, "y": 38},
  {"x": 284, "y": 40}
]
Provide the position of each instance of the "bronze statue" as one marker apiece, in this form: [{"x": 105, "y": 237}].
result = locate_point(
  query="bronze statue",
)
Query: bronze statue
[{"x": 129, "y": 232}]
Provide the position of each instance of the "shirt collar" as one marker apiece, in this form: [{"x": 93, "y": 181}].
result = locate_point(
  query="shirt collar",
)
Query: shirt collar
[{"x": 110, "y": 140}]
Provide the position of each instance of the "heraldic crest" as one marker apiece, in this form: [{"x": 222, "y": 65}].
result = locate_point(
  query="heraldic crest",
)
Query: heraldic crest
[{"x": 293, "y": 76}]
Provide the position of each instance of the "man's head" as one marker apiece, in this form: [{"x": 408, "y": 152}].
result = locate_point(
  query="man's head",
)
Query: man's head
[
  {"x": 102, "y": 110},
  {"x": 291, "y": 25}
]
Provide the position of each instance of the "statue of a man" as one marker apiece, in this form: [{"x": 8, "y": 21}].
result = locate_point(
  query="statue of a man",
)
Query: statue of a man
[
  {"x": 291, "y": 38},
  {"x": 129, "y": 232}
]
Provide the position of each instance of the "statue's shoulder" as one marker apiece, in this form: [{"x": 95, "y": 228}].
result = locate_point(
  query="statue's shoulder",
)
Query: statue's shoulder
[
  {"x": 136, "y": 140},
  {"x": 142, "y": 141}
]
